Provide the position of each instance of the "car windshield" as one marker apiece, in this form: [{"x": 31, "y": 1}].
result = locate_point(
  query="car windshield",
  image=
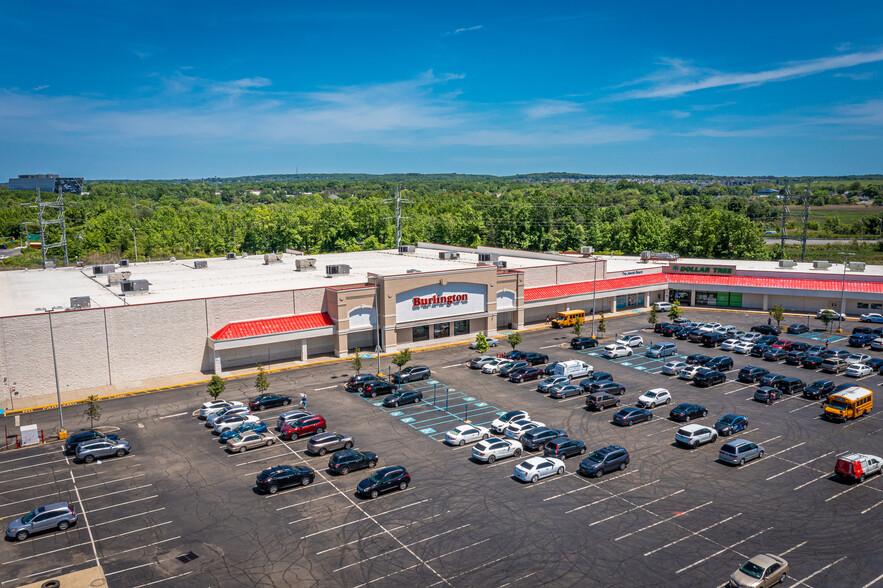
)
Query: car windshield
[
  {"x": 727, "y": 419},
  {"x": 376, "y": 477},
  {"x": 30, "y": 516},
  {"x": 596, "y": 457},
  {"x": 752, "y": 569}
]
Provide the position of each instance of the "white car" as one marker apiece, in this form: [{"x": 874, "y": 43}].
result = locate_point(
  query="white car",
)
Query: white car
[
  {"x": 493, "y": 449},
  {"x": 689, "y": 372},
  {"x": 672, "y": 368},
  {"x": 833, "y": 314},
  {"x": 229, "y": 423},
  {"x": 466, "y": 434},
  {"x": 536, "y": 468},
  {"x": 729, "y": 344},
  {"x": 713, "y": 326},
  {"x": 743, "y": 347},
  {"x": 491, "y": 342},
  {"x": 872, "y": 317},
  {"x": 857, "y": 358},
  {"x": 877, "y": 344},
  {"x": 502, "y": 422},
  {"x": 752, "y": 336},
  {"x": 653, "y": 398},
  {"x": 662, "y": 306},
  {"x": 631, "y": 341},
  {"x": 216, "y": 406},
  {"x": 230, "y": 410},
  {"x": 613, "y": 351},
  {"x": 858, "y": 370},
  {"x": 695, "y": 435},
  {"x": 725, "y": 329},
  {"x": 493, "y": 367},
  {"x": 518, "y": 428},
  {"x": 737, "y": 334}
]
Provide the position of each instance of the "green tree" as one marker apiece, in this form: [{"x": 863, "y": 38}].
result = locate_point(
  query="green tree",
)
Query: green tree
[
  {"x": 481, "y": 345},
  {"x": 778, "y": 314},
  {"x": 578, "y": 327},
  {"x": 357, "y": 360},
  {"x": 93, "y": 411},
  {"x": 602, "y": 324},
  {"x": 514, "y": 340},
  {"x": 653, "y": 317},
  {"x": 261, "y": 384},
  {"x": 216, "y": 386},
  {"x": 675, "y": 311},
  {"x": 401, "y": 358},
  {"x": 826, "y": 317}
]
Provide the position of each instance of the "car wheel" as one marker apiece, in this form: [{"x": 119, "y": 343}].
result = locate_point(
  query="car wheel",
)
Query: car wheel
[
  {"x": 121, "y": 452},
  {"x": 599, "y": 473},
  {"x": 319, "y": 430},
  {"x": 694, "y": 445},
  {"x": 372, "y": 463},
  {"x": 759, "y": 455},
  {"x": 63, "y": 525},
  {"x": 269, "y": 442},
  {"x": 273, "y": 489},
  {"x": 323, "y": 451},
  {"x": 262, "y": 407},
  {"x": 534, "y": 479},
  {"x": 491, "y": 458},
  {"x": 395, "y": 404},
  {"x": 374, "y": 494},
  {"x": 861, "y": 478},
  {"x": 344, "y": 471},
  {"x": 21, "y": 535},
  {"x": 462, "y": 442},
  {"x": 687, "y": 419},
  {"x": 348, "y": 445},
  {"x": 630, "y": 423},
  {"x": 242, "y": 449},
  {"x": 623, "y": 465},
  {"x": 286, "y": 402},
  {"x": 403, "y": 485},
  {"x": 484, "y": 437},
  {"x": 652, "y": 405},
  {"x": 704, "y": 413},
  {"x": 742, "y": 461},
  {"x": 89, "y": 458},
  {"x": 517, "y": 452},
  {"x": 582, "y": 450},
  {"x": 374, "y": 395},
  {"x": 560, "y": 470}
]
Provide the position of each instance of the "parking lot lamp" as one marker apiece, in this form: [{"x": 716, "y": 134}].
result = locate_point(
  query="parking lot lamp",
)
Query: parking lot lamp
[
  {"x": 594, "y": 293},
  {"x": 55, "y": 370},
  {"x": 842, "y": 290}
]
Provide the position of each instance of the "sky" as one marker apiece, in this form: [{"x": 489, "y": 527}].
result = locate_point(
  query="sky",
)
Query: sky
[{"x": 128, "y": 89}]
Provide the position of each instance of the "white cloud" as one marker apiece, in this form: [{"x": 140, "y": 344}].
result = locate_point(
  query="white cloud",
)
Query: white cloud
[
  {"x": 39, "y": 88},
  {"x": 466, "y": 30},
  {"x": 547, "y": 108}
]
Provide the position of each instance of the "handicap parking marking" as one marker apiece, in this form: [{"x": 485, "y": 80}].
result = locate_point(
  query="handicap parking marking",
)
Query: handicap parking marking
[
  {"x": 427, "y": 431},
  {"x": 469, "y": 398},
  {"x": 640, "y": 367},
  {"x": 481, "y": 404},
  {"x": 396, "y": 413},
  {"x": 377, "y": 403},
  {"x": 408, "y": 420},
  {"x": 625, "y": 363}
]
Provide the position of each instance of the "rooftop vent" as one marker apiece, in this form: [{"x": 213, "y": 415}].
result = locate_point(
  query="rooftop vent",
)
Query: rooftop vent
[
  {"x": 448, "y": 255},
  {"x": 172, "y": 259},
  {"x": 272, "y": 258},
  {"x": 340, "y": 269},
  {"x": 552, "y": 252},
  {"x": 500, "y": 264},
  {"x": 587, "y": 250},
  {"x": 407, "y": 249},
  {"x": 231, "y": 256},
  {"x": 124, "y": 263},
  {"x": 200, "y": 264},
  {"x": 78, "y": 302},
  {"x": 488, "y": 257},
  {"x": 307, "y": 264},
  {"x": 98, "y": 270},
  {"x": 135, "y": 286},
  {"x": 413, "y": 271},
  {"x": 659, "y": 256},
  {"x": 787, "y": 263},
  {"x": 117, "y": 278},
  {"x": 821, "y": 265},
  {"x": 856, "y": 266},
  {"x": 48, "y": 264},
  {"x": 81, "y": 264}
]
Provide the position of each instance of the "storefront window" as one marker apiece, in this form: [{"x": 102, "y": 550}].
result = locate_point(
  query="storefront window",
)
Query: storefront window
[
  {"x": 862, "y": 305},
  {"x": 706, "y": 298},
  {"x": 876, "y": 306},
  {"x": 461, "y": 327},
  {"x": 680, "y": 296},
  {"x": 441, "y": 330},
  {"x": 420, "y": 333}
]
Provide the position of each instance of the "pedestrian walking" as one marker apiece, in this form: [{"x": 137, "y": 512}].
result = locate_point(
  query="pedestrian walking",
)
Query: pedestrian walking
[
  {"x": 826, "y": 343},
  {"x": 769, "y": 320},
  {"x": 548, "y": 320},
  {"x": 303, "y": 401}
]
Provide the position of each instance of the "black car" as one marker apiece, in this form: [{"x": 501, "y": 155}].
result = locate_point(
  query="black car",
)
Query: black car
[
  {"x": 515, "y": 355},
  {"x": 70, "y": 446},
  {"x": 268, "y": 401},
  {"x": 875, "y": 363},
  {"x": 535, "y": 358},
  {"x": 712, "y": 339},
  {"x": 798, "y": 346},
  {"x": 697, "y": 359},
  {"x": 563, "y": 447},
  {"x": 384, "y": 480},
  {"x": 357, "y": 383},
  {"x": 759, "y": 350},
  {"x": 536, "y": 438},
  {"x": 412, "y": 374},
  {"x": 549, "y": 370},
  {"x": 630, "y": 415},
  {"x": 750, "y": 374},
  {"x": 608, "y": 387},
  {"x": 767, "y": 394},
  {"x": 819, "y": 389},
  {"x": 683, "y": 333},
  {"x": 861, "y": 340},
  {"x": 767, "y": 340},
  {"x": 583, "y": 342},
  {"x": 695, "y": 335},
  {"x": 708, "y": 377},
  {"x": 595, "y": 378},
  {"x": 770, "y": 379},
  {"x": 720, "y": 363},
  {"x": 774, "y": 354},
  {"x": 670, "y": 330},
  {"x": 344, "y": 462},
  {"x": 797, "y": 329},
  {"x": 767, "y": 330},
  {"x": 603, "y": 461},
  {"x": 402, "y": 397},
  {"x": 524, "y": 374},
  {"x": 795, "y": 357},
  {"x": 687, "y": 412},
  {"x": 275, "y": 478},
  {"x": 812, "y": 362},
  {"x": 657, "y": 328},
  {"x": 862, "y": 330},
  {"x": 790, "y": 386},
  {"x": 376, "y": 387}
]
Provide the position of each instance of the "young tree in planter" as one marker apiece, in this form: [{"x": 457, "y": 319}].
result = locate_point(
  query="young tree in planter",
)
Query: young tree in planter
[
  {"x": 675, "y": 311},
  {"x": 653, "y": 317},
  {"x": 481, "y": 345},
  {"x": 93, "y": 411},
  {"x": 357, "y": 360},
  {"x": 401, "y": 358},
  {"x": 578, "y": 327},
  {"x": 262, "y": 383},
  {"x": 216, "y": 386},
  {"x": 826, "y": 317},
  {"x": 602, "y": 324},
  {"x": 778, "y": 314},
  {"x": 514, "y": 340}
]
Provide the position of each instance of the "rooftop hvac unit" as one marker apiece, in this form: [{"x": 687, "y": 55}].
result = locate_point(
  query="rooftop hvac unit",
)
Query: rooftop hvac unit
[
  {"x": 172, "y": 259},
  {"x": 787, "y": 263},
  {"x": 856, "y": 266},
  {"x": 413, "y": 271},
  {"x": 135, "y": 286},
  {"x": 587, "y": 250},
  {"x": 821, "y": 264},
  {"x": 500, "y": 264},
  {"x": 305, "y": 264},
  {"x": 407, "y": 249},
  {"x": 124, "y": 263},
  {"x": 117, "y": 278},
  {"x": 200, "y": 264},
  {"x": 659, "y": 256},
  {"x": 272, "y": 258},
  {"x": 488, "y": 257},
  {"x": 231, "y": 256},
  {"x": 78, "y": 302},
  {"x": 340, "y": 269},
  {"x": 98, "y": 270},
  {"x": 448, "y": 255},
  {"x": 81, "y": 264},
  {"x": 48, "y": 264}
]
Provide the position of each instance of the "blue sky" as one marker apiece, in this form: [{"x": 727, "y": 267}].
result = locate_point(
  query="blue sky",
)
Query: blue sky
[{"x": 131, "y": 89}]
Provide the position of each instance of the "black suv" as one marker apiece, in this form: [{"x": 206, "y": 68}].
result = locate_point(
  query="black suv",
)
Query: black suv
[
  {"x": 583, "y": 342},
  {"x": 384, "y": 480},
  {"x": 70, "y": 446},
  {"x": 686, "y": 412},
  {"x": 750, "y": 374},
  {"x": 603, "y": 461},
  {"x": 402, "y": 397},
  {"x": 720, "y": 363},
  {"x": 670, "y": 330},
  {"x": 268, "y": 401},
  {"x": 697, "y": 359},
  {"x": 376, "y": 387},
  {"x": 771, "y": 379},
  {"x": 608, "y": 387},
  {"x": 773, "y": 354},
  {"x": 795, "y": 357},
  {"x": 595, "y": 378},
  {"x": 357, "y": 383},
  {"x": 767, "y": 330},
  {"x": 818, "y": 389},
  {"x": 277, "y": 477},
  {"x": 657, "y": 328},
  {"x": 412, "y": 374},
  {"x": 536, "y": 438},
  {"x": 758, "y": 350},
  {"x": 712, "y": 339},
  {"x": 708, "y": 377},
  {"x": 535, "y": 358},
  {"x": 562, "y": 448},
  {"x": 344, "y": 462},
  {"x": 790, "y": 386},
  {"x": 812, "y": 362}
]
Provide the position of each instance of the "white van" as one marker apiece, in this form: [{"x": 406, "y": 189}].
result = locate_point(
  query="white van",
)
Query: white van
[{"x": 573, "y": 368}]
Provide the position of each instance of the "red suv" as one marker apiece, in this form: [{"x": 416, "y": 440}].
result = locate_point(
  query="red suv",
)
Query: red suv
[{"x": 307, "y": 425}]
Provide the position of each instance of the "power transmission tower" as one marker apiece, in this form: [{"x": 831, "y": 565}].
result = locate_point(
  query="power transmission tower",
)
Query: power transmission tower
[
  {"x": 58, "y": 219},
  {"x": 806, "y": 198},
  {"x": 398, "y": 214}
]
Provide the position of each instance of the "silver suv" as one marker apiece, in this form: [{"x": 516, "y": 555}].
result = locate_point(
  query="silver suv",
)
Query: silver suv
[
  {"x": 91, "y": 450},
  {"x": 738, "y": 451},
  {"x": 59, "y": 516}
]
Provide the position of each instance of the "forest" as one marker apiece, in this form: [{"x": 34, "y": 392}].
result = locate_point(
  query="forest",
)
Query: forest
[{"x": 351, "y": 213}]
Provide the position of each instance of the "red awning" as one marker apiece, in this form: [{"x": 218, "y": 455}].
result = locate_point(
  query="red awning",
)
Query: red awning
[
  {"x": 273, "y": 326},
  {"x": 777, "y": 283},
  {"x": 577, "y": 288}
]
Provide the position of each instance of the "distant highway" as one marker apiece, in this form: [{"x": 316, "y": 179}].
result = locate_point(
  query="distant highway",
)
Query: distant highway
[{"x": 789, "y": 239}]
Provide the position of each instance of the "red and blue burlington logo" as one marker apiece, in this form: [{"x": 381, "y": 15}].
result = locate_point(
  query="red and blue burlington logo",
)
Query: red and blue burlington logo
[{"x": 435, "y": 300}]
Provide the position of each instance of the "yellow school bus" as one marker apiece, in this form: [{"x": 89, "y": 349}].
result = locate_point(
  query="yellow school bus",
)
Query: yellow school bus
[
  {"x": 568, "y": 318},
  {"x": 850, "y": 403}
]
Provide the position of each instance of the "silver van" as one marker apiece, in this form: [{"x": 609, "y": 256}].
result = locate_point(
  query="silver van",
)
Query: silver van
[
  {"x": 662, "y": 350},
  {"x": 738, "y": 451},
  {"x": 60, "y": 515}
]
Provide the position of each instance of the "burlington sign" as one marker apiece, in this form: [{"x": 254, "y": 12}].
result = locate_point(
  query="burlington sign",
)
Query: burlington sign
[{"x": 435, "y": 299}]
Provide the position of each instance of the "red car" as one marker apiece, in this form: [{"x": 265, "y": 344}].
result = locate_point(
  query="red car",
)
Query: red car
[
  {"x": 786, "y": 345},
  {"x": 308, "y": 425}
]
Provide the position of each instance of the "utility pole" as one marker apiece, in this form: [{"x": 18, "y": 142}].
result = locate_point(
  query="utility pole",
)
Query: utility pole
[
  {"x": 398, "y": 213},
  {"x": 806, "y": 199},
  {"x": 785, "y": 212}
]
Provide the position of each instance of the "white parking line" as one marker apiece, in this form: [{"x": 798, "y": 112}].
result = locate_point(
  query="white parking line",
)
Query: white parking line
[
  {"x": 717, "y": 553},
  {"x": 307, "y": 501},
  {"x": 65, "y": 480},
  {"x": 416, "y": 565},
  {"x": 518, "y": 580},
  {"x": 265, "y": 458},
  {"x": 453, "y": 365},
  {"x": 787, "y": 551},
  {"x": 680, "y": 514},
  {"x": 402, "y": 547},
  {"x": 591, "y": 485},
  {"x": 153, "y": 563},
  {"x": 621, "y": 494},
  {"x": 325, "y": 388},
  {"x": 85, "y": 519},
  {"x": 369, "y": 517},
  {"x": 140, "y": 514},
  {"x": 693, "y": 534},
  {"x": 144, "y": 546},
  {"x": 636, "y": 508},
  {"x": 800, "y": 465},
  {"x": 382, "y": 533},
  {"x": 164, "y": 579},
  {"x": 867, "y": 510},
  {"x": 804, "y": 485},
  {"x": 549, "y": 479},
  {"x": 94, "y": 510},
  {"x": 470, "y": 570},
  {"x": 808, "y": 405},
  {"x": 119, "y": 492},
  {"x": 772, "y": 439},
  {"x": 40, "y": 573},
  {"x": 550, "y": 346},
  {"x": 170, "y": 416},
  {"x": 36, "y": 465},
  {"x": 36, "y": 455},
  {"x": 874, "y": 581},
  {"x": 138, "y": 530},
  {"x": 799, "y": 582}
]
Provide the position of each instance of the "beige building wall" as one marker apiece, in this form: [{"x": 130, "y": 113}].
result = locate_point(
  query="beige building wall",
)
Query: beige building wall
[{"x": 221, "y": 311}]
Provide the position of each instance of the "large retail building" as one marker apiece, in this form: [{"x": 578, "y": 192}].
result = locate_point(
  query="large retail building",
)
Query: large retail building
[{"x": 112, "y": 328}]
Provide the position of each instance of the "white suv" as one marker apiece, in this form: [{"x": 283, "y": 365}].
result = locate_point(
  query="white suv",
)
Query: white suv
[
  {"x": 520, "y": 427},
  {"x": 695, "y": 435}
]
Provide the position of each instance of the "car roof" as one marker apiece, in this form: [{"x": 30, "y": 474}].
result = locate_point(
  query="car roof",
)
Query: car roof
[
  {"x": 765, "y": 560},
  {"x": 692, "y": 427}
]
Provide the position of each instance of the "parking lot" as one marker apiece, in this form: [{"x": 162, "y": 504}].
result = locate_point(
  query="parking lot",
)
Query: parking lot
[{"x": 180, "y": 510}]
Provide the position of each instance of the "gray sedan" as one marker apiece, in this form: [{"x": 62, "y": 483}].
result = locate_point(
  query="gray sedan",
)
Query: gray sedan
[
  {"x": 91, "y": 450},
  {"x": 324, "y": 442}
]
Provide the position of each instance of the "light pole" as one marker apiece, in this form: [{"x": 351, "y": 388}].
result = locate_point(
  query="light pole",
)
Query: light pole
[
  {"x": 594, "y": 293},
  {"x": 55, "y": 370},
  {"x": 135, "y": 238},
  {"x": 842, "y": 290}
]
